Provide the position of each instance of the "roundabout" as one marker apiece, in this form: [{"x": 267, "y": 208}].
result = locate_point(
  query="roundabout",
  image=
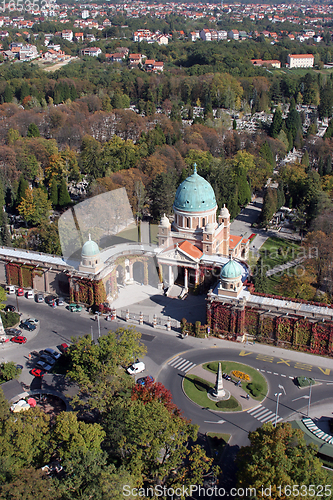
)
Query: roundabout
[
  {"x": 238, "y": 388},
  {"x": 191, "y": 374}
]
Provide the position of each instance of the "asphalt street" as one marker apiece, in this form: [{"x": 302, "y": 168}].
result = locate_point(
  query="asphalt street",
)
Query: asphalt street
[{"x": 169, "y": 358}]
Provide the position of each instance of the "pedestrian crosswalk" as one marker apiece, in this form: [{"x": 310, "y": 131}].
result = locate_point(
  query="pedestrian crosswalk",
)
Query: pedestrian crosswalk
[
  {"x": 181, "y": 364},
  {"x": 263, "y": 414}
]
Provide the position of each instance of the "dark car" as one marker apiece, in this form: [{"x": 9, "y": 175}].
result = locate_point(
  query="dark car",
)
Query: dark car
[
  {"x": 145, "y": 380},
  {"x": 28, "y": 326},
  {"x": 39, "y": 297},
  {"x": 19, "y": 339},
  {"x": 10, "y": 308},
  {"x": 13, "y": 331}
]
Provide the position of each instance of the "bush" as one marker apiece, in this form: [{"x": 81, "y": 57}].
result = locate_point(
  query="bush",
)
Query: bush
[
  {"x": 228, "y": 404},
  {"x": 201, "y": 386},
  {"x": 197, "y": 328},
  {"x": 305, "y": 381},
  {"x": 255, "y": 389},
  {"x": 9, "y": 319}
]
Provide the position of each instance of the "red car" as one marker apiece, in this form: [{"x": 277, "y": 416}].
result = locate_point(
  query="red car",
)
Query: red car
[
  {"x": 20, "y": 292},
  {"x": 19, "y": 339},
  {"x": 37, "y": 372},
  {"x": 63, "y": 348}
]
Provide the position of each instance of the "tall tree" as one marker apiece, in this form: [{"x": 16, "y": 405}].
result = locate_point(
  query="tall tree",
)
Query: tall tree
[
  {"x": 278, "y": 457},
  {"x": 64, "y": 198},
  {"x": 277, "y": 122}
]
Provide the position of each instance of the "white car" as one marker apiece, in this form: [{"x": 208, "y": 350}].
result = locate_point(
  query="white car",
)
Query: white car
[
  {"x": 29, "y": 294},
  {"x": 137, "y": 367},
  {"x": 34, "y": 321}
]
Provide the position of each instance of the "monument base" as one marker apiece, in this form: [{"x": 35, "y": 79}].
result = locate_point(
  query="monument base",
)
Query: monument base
[{"x": 213, "y": 396}]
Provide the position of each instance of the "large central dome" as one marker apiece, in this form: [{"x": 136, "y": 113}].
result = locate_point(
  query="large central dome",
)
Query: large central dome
[{"x": 195, "y": 194}]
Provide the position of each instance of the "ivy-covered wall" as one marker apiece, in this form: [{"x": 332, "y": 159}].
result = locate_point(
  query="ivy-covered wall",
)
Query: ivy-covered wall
[
  {"x": 87, "y": 292},
  {"x": 294, "y": 332}
]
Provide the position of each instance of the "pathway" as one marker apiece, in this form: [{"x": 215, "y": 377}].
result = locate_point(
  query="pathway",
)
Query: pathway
[
  {"x": 236, "y": 392},
  {"x": 283, "y": 267}
]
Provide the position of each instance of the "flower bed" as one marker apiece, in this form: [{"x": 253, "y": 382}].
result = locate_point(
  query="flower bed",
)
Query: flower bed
[{"x": 240, "y": 375}]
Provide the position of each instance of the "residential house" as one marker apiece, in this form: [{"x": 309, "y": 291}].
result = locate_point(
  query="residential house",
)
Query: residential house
[
  {"x": 28, "y": 52},
  {"x": 78, "y": 37},
  {"x": 233, "y": 34},
  {"x": 67, "y": 35},
  {"x": 91, "y": 51},
  {"x": 205, "y": 35},
  {"x": 222, "y": 35},
  {"x": 135, "y": 59},
  {"x": 162, "y": 39}
]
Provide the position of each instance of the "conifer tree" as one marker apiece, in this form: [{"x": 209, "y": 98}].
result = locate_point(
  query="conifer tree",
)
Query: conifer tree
[{"x": 64, "y": 198}]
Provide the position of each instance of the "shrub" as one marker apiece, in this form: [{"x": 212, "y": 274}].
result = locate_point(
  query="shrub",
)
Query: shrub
[
  {"x": 201, "y": 386},
  {"x": 9, "y": 319},
  {"x": 228, "y": 404},
  {"x": 9, "y": 371},
  {"x": 197, "y": 328},
  {"x": 305, "y": 381},
  {"x": 255, "y": 389},
  {"x": 214, "y": 366}
]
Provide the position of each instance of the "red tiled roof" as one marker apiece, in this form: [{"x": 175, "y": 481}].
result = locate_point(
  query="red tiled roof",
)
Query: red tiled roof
[{"x": 191, "y": 250}]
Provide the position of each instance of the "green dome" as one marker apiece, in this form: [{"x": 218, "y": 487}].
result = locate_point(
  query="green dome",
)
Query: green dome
[
  {"x": 90, "y": 248},
  {"x": 195, "y": 194},
  {"x": 231, "y": 270}
]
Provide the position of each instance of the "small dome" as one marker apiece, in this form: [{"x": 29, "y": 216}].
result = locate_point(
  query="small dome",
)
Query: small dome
[
  {"x": 165, "y": 221},
  {"x": 224, "y": 212},
  {"x": 195, "y": 194},
  {"x": 231, "y": 270},
  {"x": 90, "y": 248},
  {"x": 210, "y": 227}
]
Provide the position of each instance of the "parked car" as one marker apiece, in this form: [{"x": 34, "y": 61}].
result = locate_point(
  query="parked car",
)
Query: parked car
[
  {"x": 20, "y": 292},
  {"x": 34, "y": 321},
  {"x": 75, "y": 308},
  {"x": 50, "y": 299},
  {"x": 51, "y": 352},
  {"x": 10, "y": 308},
  {"x": 48, "y": 359},
  {"x": 10, "y": 289},
  {"x": 39, "y": 297},
  {"x": 28, "y": 326},
  {"x": 37, "y": 372},
  {"x": 19, "y": 339},
  {"x": 136, "y": 367},
  {"x": 60, "y": 301},
  {"x": 145, "y": 380},
  {"x": 44, "y": 366},
  {"x": 13, "y": 331},
  {"x": 63, "y": 348},
  {"x": 29, "y": 294}
]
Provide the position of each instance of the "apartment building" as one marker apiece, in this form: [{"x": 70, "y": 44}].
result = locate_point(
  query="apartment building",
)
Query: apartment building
[{"x": 300, "y": 60}]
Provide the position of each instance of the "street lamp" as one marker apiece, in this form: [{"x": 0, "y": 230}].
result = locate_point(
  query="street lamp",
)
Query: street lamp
[
  {"x": 309, "y": 402},
  {"x": 277, "y": 395},
  {"x": 99, "y": 326}
]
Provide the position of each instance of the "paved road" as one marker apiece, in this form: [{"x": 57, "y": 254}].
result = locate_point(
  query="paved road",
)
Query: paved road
[{"x": 169, "y": 357}]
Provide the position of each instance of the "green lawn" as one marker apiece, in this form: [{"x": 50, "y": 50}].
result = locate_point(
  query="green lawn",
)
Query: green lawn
[
  {"x": 199, "y": 396},
  {"x": 229, "y": 366},
  {"x": 276, "y": 251}
]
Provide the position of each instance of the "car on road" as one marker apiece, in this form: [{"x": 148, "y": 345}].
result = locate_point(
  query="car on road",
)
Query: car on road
[
  {"x": 51, "y": 352},
  {"x": 10, "y": 308},
  {"x": 28, "y": 326},
  {"x": 44, "y": 366},
  {"x": 33, "y": 321},
  {"x": 136, "y": 367},
  {"x": 29, "y": 294},
  {"x": 48, "y": 359},
  {"x": 145, "y": 380},
  {"x": 75, "y": 308},
  {"x": 13, "y": 331},
  {"x": 20, "y": 292},
  {"x": 19, "y": 339},
  {"x": 37, "y": 372},
  {"x": 63, "y": 348},
  {"x": 39, "y": 297}
]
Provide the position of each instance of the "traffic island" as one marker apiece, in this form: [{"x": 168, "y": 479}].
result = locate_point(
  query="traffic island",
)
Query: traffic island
[{"x": 200, "y": 386}]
